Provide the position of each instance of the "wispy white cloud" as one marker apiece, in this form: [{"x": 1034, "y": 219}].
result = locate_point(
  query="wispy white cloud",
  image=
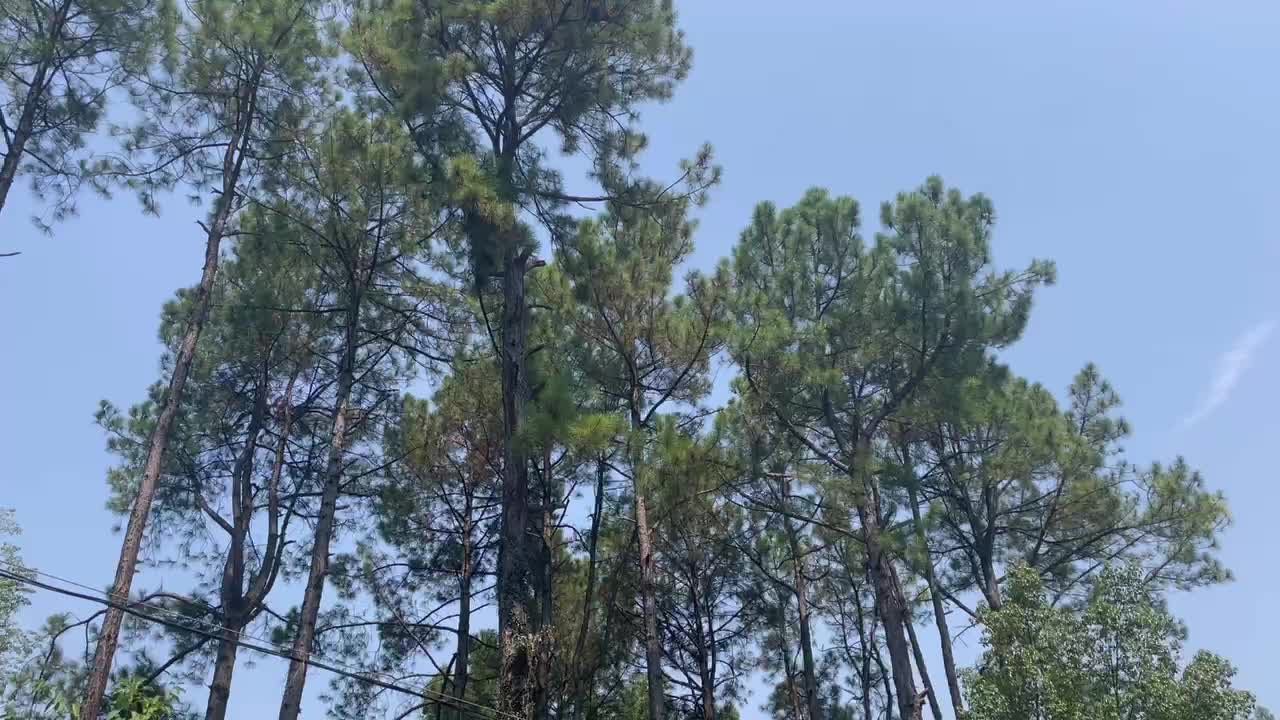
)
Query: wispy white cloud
[{"x": 1232, "y": 365}]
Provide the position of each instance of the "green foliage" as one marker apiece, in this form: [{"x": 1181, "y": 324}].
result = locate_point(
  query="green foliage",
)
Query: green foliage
[
  {"x": 14, "y": 643},
  {"x": 837, "y": 335},
  {"x": 223, "y": 99},
  {"x": 1115, "y": 658},
  {"x": 62, "y": 62}
]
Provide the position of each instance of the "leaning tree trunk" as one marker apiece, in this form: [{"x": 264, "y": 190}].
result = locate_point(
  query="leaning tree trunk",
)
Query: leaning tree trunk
[
  {"x": 109, "y": 636},
  {"x": 304, "y": 641},
  {"x": 702, "y": 648}
]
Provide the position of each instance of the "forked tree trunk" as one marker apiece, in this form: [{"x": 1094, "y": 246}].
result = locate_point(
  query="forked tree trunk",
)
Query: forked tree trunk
[{"x": 889, "y": 598}]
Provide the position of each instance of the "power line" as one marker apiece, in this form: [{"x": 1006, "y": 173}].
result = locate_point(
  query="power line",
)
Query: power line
[
  {"x": 180, "y": 618},
  {"x": 133, "y": 610},
  {"x": 465, "y": 706}
]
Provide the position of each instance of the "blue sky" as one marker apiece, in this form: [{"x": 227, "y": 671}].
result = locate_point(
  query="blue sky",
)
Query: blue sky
[{"x": 1134, "y": 143}]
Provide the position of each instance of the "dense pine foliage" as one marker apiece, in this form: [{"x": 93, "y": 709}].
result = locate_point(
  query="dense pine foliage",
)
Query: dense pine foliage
[{"x": 486, "y": 445}]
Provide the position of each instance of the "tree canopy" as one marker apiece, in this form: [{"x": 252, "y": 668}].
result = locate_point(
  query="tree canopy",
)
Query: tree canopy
[{"x": 462, "y": 438}]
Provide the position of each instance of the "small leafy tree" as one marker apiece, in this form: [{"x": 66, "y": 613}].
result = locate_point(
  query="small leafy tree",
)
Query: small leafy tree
[
  {"x": 13, "y": 642},
  {"x": 1117, "y": 658}
]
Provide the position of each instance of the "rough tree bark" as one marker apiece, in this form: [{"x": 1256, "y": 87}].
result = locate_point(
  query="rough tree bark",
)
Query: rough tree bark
[{"x": 516, "y": 597}]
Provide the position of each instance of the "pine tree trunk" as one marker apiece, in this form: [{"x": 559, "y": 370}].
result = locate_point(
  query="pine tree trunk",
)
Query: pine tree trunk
[
  {"x": 649, "y": 603},
  {"x": 709, "y": 676},
  {"x": 462, "y": 671},
  {"x": 892, "y": 614},
  {"x": 304, "y": 641},
  {"x": 109, "y": 636},
  {"x": 789, "y": 672},
  {"x": 877, "y": 622},
  {"x": 584, "y": 679},
  {"x": 865, "y": 641},
  {"x": 515, "y": 573},
  {"x": 703, "y": 645},
  {"x": 939, "y": 611},
  {"x": 802, "y": 609},
  {"x": 889, "y": 599},
  {"x": 223, "y": 668},
  {"x": 934, "y": 707},
  {"x": 22, "y": 133},
  {"x": 708, "y": 692},
  {"x": 546, "y": 592},
  {"x": 234, "y": 612}
]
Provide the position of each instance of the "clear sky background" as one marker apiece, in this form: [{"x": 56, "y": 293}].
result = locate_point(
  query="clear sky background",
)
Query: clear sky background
[{"x": 1135, "y": 143}]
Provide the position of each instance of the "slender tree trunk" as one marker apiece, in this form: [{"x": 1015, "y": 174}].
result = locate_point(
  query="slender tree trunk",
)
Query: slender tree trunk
[
  {"x": 584, "y": 679},
  {"x": 709, "y": 684},
  {"x": 990, "y": 583},
  {"x": 802, "y": 610},
  {"x": 934, "y": 707},
  {"x": 708, "y": 696},
  {"x": 606, "y": 630},
  {"x": 463, "y": 657},
  {"x": 708, "y": 689},
  {"x": 866, "y": 642},
  {"x": 939, "y": 611},
  {"x": 304, "y": 641},
  {"x": 788, "y": 669},
  {"x": 706, "y": 680},
  {"x": 546, "y": 592},
  {"x": 877, "y": 622},
  {"x": 234, "y": 612},
  {"x": 21, "y": 135},
  {"x": 109, "y": 636},
  {"x": 649, "y": 603}
]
